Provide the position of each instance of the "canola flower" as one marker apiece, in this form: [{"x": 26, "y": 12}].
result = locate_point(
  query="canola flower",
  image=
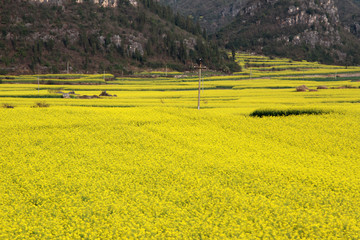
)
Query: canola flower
[
  {"x": 147, "y": 165},
  {"x": 177, "y": 173},
  {"x": 265, "y": 66}
]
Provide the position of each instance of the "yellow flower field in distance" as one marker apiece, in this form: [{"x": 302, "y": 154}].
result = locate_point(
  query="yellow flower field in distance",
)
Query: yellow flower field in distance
[{"x": 146, "y": 164}]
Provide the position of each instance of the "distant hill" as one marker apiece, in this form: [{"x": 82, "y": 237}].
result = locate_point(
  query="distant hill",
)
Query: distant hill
[
  {"x": 316, "y": 30},
  {"x": 215, "y": 14},
  {"x": 309, "y": 30},
  {"x": 212, "y": 14},
  {"x": 47, "y": 38}
]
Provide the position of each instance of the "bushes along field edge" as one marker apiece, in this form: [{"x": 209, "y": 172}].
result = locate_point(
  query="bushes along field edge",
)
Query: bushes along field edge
[{"x": 287, "y": 112}]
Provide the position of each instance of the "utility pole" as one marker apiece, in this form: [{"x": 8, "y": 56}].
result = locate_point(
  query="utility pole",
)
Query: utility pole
[
  {"x": 38, "y": 81},
  {"x": 199, "y": 91},
  {"x": 303, "y": 75}
]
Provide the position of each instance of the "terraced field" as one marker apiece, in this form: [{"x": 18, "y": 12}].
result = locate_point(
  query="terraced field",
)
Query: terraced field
[{"x": 147, "y": 164}]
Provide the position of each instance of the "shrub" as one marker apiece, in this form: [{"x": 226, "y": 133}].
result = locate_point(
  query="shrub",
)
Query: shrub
[
  {"x": 322, "y": 87},
  {"x": 302, "y": 88},
  {"x": 287, "y": 112},
  {"x": 7, "y": 105},
  {"x": 41, "y": 105}
]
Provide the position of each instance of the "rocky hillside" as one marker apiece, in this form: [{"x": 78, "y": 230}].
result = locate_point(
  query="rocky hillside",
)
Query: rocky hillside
[
  {"x": 43, "y": 37},
  {"x": 309, "y": 30},
  {"x": 317, "y": 30},
  {"x": 215, "y": 14},
  {"x": 349, "y": 11},
  {"x": 212, "y": 14}
]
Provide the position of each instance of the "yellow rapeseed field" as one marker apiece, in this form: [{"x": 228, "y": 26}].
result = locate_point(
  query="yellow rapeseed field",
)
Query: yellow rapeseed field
[
  {"x": 147, "y": 164},
  {"x": 177, "y": 173}
]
